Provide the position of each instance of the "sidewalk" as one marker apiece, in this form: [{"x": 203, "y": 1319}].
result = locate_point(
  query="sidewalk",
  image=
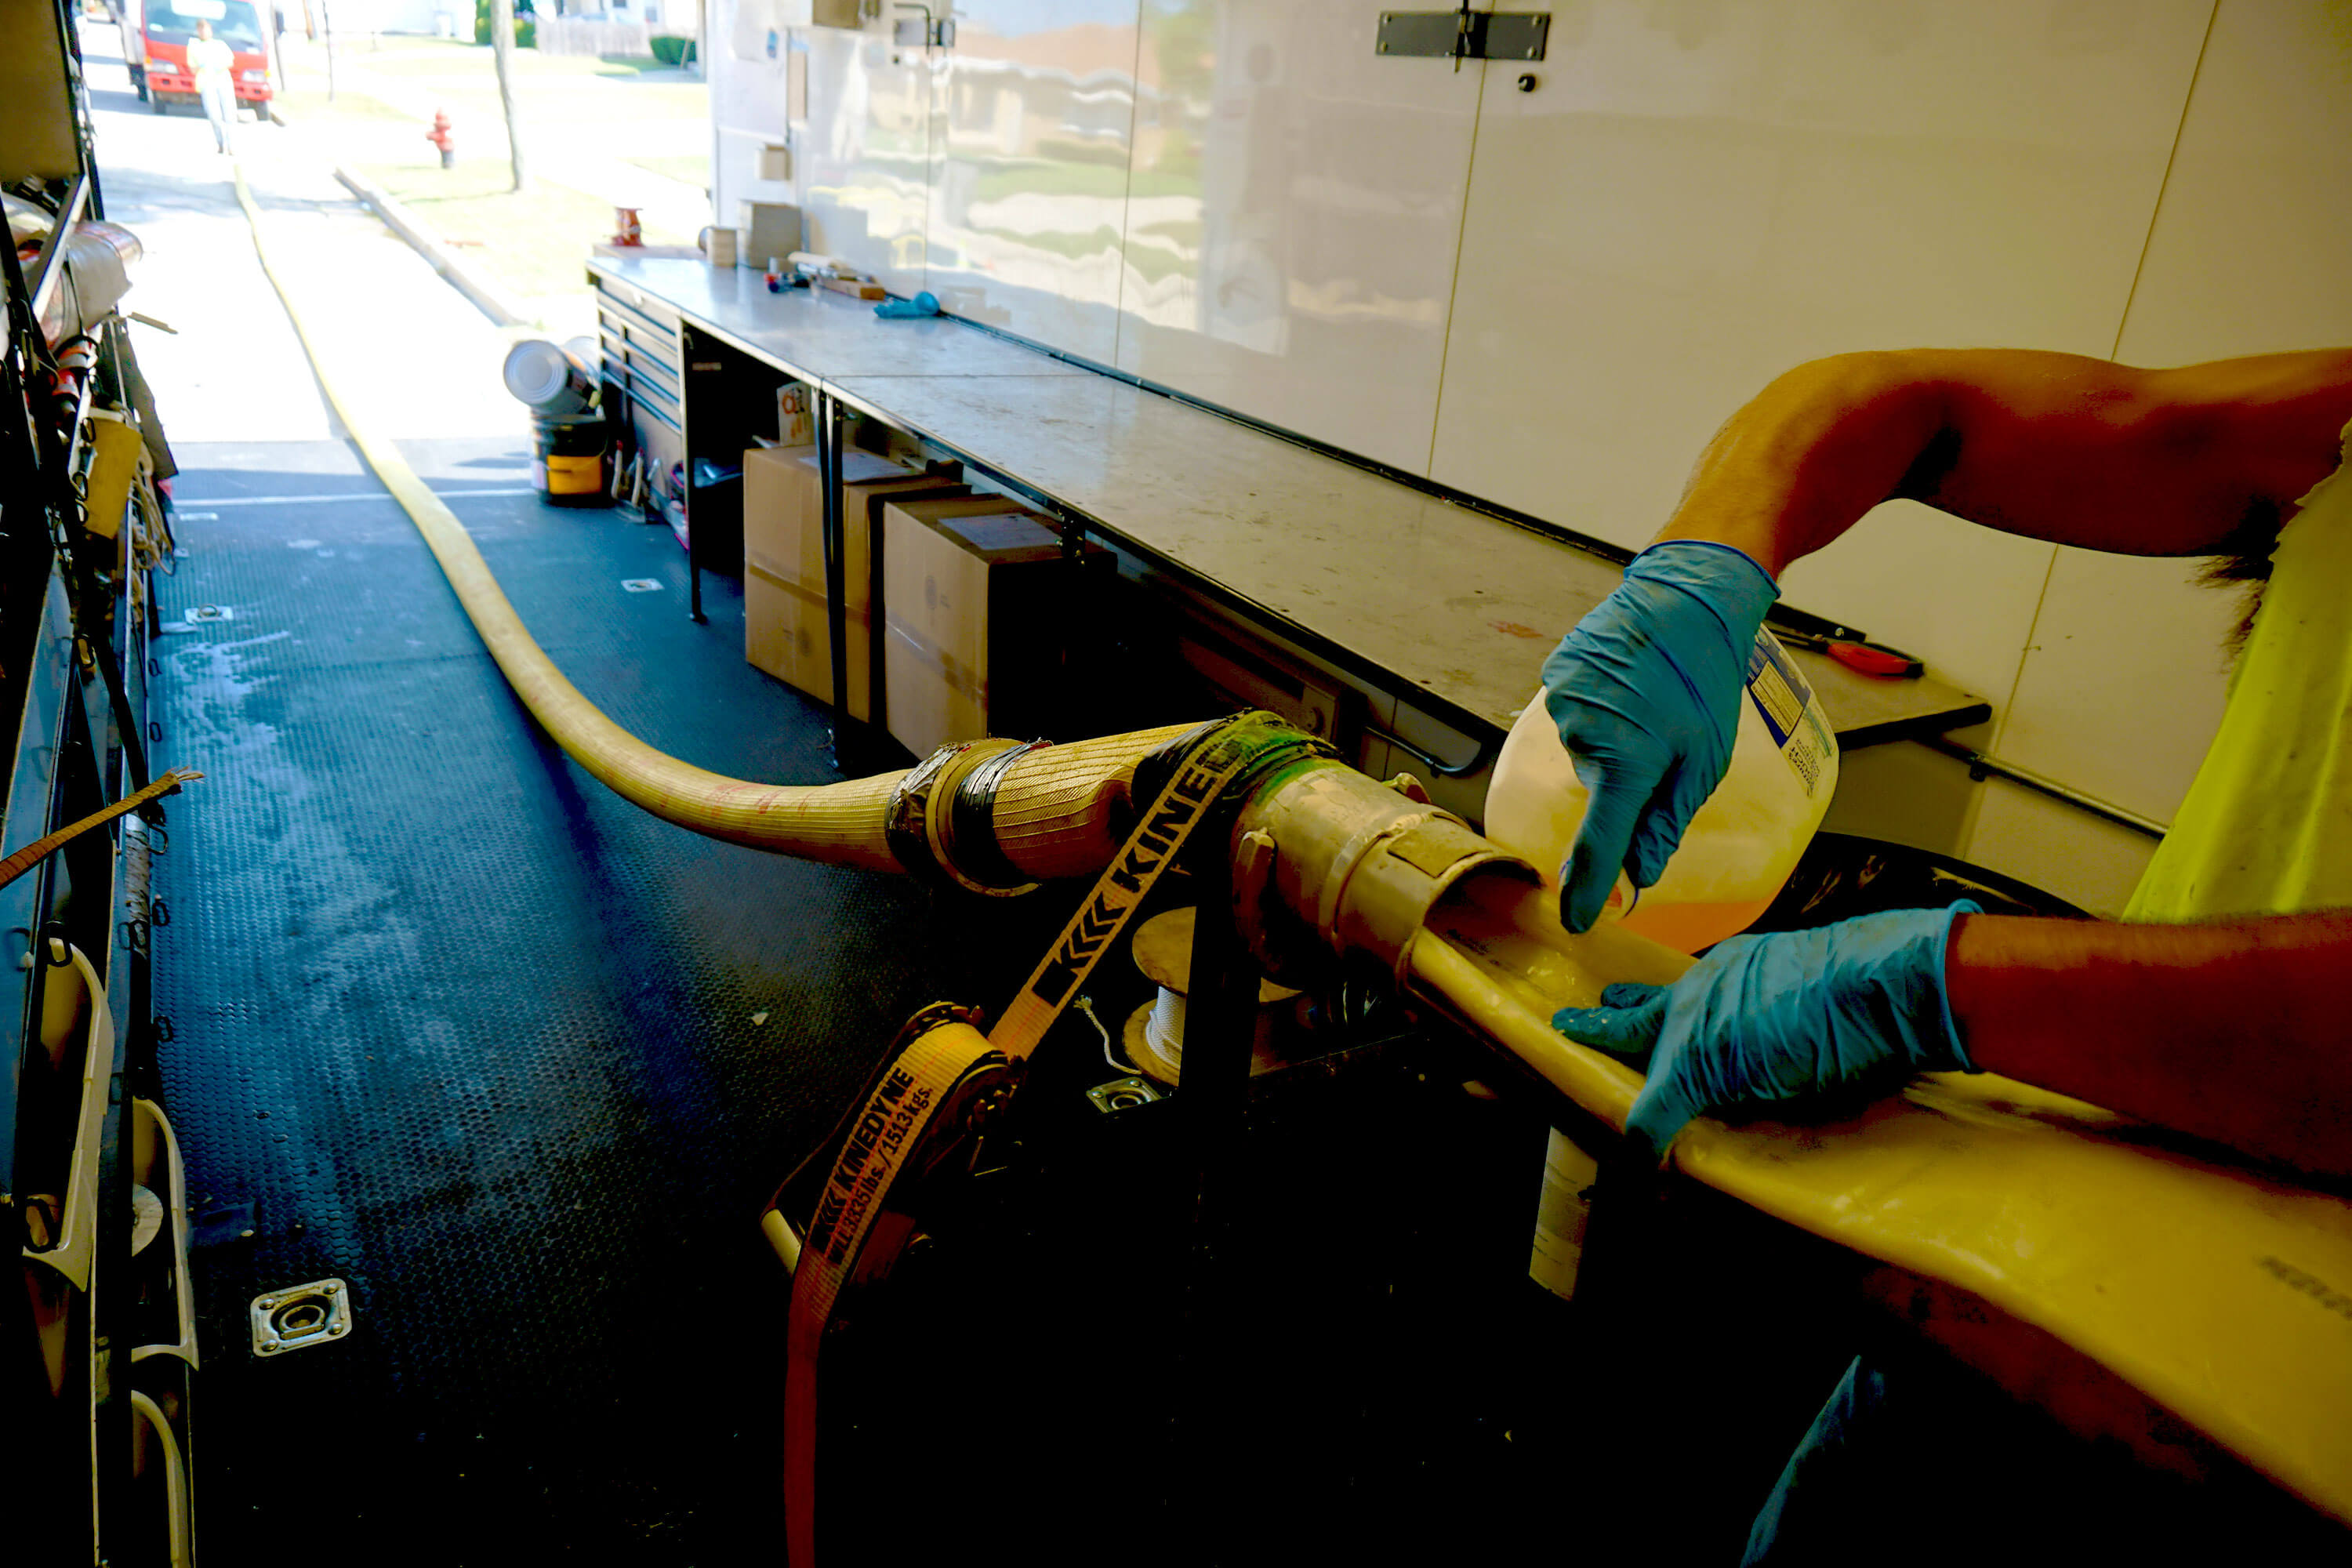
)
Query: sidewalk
[
  {"x": 236, "y": 372},
  {"x": 428, "y": 358}
]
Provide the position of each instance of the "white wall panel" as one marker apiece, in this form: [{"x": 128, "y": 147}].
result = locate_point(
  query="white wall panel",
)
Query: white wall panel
[
  {"x": 1696, "y": 197},
  {"x": 2047, "y": 844},
  {"x": 1960, "y": 596},
  {"x": 1243, "y": 201},
  {"x": 1905, "y": 795},
  {"x": 1296, "y": 201},
  {"x": 862, "y": 161},
  {"x": 2124, "y": 680},
  {"x": 747, "y": 102},
  {"x": 2252, "y": 247},
  {"x": 1033, "y": 113}
]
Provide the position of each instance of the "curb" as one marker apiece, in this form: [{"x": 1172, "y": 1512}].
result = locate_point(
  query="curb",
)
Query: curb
[{"x": 446, "y": 262}]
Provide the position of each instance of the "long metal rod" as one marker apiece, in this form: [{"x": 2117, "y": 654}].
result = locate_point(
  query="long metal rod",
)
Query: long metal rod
[
  {"x": 836, "y": 575},
  {"x": 50, "y": 268},
  {"x": 685, "y": 423},
  {"x": 877, "y": 690},
  {"x": 1980, "y": 765},
  {"x": 85, "y": 125}
]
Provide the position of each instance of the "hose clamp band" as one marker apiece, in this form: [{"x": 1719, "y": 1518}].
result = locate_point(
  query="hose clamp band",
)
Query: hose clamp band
[
  {"x": 964, "y": 840},
  {"x": 918, "y": 827},
  {"x": 905, "y": 824}
]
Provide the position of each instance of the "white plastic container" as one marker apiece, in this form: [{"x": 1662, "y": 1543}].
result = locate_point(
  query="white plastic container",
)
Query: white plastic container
[
  {"x": 553, "y": 379},
  {"x": 1557, "y": 1248},
  {"x": 1740, "y": 845}
]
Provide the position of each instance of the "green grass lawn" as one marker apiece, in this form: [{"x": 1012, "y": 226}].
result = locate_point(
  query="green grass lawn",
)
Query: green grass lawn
[
  {"x": 297, "y": 104},
  {"x": 534, "y": 245}
]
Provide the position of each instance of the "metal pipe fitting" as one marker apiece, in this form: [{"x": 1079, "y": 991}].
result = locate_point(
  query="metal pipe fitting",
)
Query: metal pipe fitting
[{"x": 1329, "y": 862}]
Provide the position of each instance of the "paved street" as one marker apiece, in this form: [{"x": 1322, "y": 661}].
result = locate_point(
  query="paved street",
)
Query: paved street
[
  {"x": 422, "y": 359},
  {"x": 425, "y": 359}
]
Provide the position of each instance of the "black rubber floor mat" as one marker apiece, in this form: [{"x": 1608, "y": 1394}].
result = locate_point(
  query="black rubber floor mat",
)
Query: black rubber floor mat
[{"x": 516, "y": 1060}]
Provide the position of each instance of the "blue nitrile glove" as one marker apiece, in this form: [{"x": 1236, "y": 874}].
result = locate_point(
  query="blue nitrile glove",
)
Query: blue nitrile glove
[
  {"x": 1647, "y": 692},
  {"x": 923, "y": 304},
  {"x": 1773, "y": 1017}
]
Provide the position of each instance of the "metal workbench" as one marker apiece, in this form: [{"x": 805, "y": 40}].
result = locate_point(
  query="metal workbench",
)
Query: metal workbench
[{"x": 1441, "y": 601}]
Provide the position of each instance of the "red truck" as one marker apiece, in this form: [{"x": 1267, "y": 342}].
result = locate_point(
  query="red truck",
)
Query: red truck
[{"x": 155, "y": 34}]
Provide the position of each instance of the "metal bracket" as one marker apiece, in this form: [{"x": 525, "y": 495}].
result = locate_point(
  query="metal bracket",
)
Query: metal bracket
[
  {"x": 1480, "y": 755},
  {"x": 300, "y": 1315},
  {"x": 1122, "y": 1094},
  {"x": 929, "y": 32},
  {"x": 1463, "y": 34}
]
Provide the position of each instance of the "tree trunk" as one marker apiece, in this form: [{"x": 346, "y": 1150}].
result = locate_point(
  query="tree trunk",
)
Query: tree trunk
[{"x": 502, "y": 43}]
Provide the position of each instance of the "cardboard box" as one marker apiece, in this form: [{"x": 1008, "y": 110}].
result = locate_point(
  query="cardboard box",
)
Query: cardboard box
[
  {"x": 784, "y": 630},
  {"x": 976, "y": 593},
  {"x": 772, "y": 231},
  {"x": 855, "y": 288}
]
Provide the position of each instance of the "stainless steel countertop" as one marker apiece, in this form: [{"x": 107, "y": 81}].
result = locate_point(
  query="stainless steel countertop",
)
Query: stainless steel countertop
[
  {"x": 820, "y": 335},
  {"x": 1430, "y": 597}
]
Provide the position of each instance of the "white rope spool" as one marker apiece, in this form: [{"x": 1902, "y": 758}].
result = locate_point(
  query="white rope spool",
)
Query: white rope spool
[{"x": 1154, "y": 1033}]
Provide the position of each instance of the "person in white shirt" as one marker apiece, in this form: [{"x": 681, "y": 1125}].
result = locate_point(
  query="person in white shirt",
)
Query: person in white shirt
[{"x": 214, "y": 65}]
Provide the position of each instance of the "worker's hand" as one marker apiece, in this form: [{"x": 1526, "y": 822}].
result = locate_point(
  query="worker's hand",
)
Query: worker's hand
[
  {"x": 1646, "y": 694},
  {"x": 1776, "y": 1016}
]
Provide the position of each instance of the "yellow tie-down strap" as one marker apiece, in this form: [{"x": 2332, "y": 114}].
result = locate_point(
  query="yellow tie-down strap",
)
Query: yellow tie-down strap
[
  {"x": 922, "y": 1114},
  {"x": 2223, "y": 1296}
]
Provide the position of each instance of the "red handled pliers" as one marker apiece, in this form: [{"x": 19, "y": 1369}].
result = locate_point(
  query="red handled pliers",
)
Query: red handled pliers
[{"x": 1864, "y": 658}]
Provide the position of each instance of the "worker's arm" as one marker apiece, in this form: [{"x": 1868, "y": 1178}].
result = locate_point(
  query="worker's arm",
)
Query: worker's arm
[
  {"x": 2235, "y": 1032},
  {"x": 2187, "y": 462},
  {"x": 2238, "y": 1032},
  {"x": 1644, "y": 691}
]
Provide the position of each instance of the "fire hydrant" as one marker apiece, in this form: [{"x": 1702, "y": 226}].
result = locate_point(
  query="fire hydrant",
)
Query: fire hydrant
[{"x": 439, "y": 136}]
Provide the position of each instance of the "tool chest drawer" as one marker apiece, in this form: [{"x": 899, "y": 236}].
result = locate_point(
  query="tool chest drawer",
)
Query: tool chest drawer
[
  {"x": 636, "y": 317},
  {"x": 651, "y": 384},
  {"x": 643, "y": 353}
]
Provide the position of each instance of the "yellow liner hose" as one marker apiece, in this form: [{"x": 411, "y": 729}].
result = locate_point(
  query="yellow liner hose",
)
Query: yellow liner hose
[
  {"x": 2220, "y": 1295},
  {"x": 1058, "y": 807}
]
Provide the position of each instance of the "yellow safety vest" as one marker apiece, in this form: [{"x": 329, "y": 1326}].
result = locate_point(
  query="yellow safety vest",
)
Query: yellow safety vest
[{"x": 2267, "y": 825}]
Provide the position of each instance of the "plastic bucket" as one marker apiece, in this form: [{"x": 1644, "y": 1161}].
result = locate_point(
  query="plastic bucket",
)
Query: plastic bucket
[
  {"x": 568, "y": 465},
  {"x": 553, "y": 378}
]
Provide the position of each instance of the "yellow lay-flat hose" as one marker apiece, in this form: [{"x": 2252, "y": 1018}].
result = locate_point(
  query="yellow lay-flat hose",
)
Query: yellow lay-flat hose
[
  {"x": 1057, "y": 808},
  {"x": 2223, "y": 1296}
]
